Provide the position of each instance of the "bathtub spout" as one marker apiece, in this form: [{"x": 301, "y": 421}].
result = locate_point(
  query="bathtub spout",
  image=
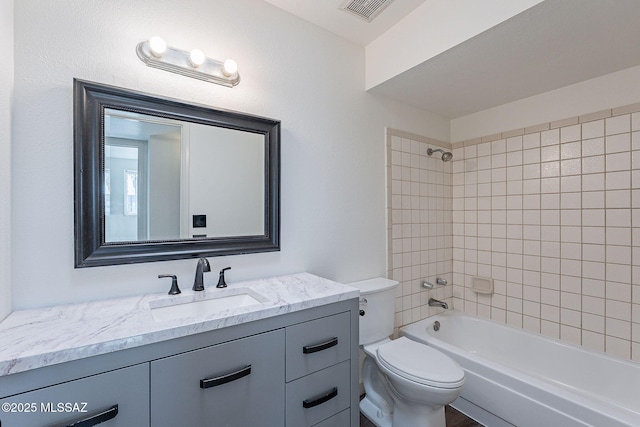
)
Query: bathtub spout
[{"x": 436, "y": 303}]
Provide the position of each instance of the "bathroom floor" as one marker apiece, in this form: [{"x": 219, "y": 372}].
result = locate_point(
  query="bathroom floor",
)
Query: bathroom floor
[{"x": 454, "y": 419}]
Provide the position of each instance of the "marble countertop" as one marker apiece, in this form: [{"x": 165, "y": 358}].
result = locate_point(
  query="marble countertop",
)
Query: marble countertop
[{"x": 41, "y": 337}]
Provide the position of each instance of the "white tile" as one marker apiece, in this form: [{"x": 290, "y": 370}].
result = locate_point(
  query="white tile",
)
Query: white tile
[
  {"x": 571, "y": 217},
  {"x": 619, "y": 310},
  {"x": 594, "y": 164},
  {"x": 549, "y": 308},
  {"x": 618, "y": 199},
  {"x": 550, "y": 137},
  {"x": 594, "y": 235},
  {"x": 532, "y": 171},
  {"x": 514, "y": 143},
  {"x": 593, "y": 340},
  {"x": 532, "y": 140},
  {"x": 591, "y": 252},
  {"x": 618, "y": 328},
  {"x": 593, "y": 270},
  {"x": 593, "y": 129},
  {"x": 550, "y": 153},
  {"x": 570, "y": 133},
  {"x": 498, "y": 146},
  {"x": 550, "y": 329},
  {"x": 618, "y": 291},
  {"x": 550, "y": 185},
  {"x": 635, "y": 351},
  {"x": 593, "y": 200},
  {"x": 571, "y": 167},
  {"x": 618, "y": 143},
  {"x": 550, "y": 201},
  {"x": 618, "y": 273},
  {"x": 618, "y": 218},
  {"x": 593, "y": 147},
  {"x": 571, "y": 150},
  {"x": 635, "y": 121},
  {"x": 593, "y": 182},
  {"x": 618, "y": 124},
  {"x": 595, "y": 288},
  {"x": 593, "y": 217},
  {"x": 569, "y": 184},
  {"x": 618, "y": 162},
  {"x": 618, "y": 254},
  {"x": 594, "y": 306},
  {"x": 484, "y": 149},
  {"x": 549, "y": 169},
  {"x": 470, "y": 151},
  {"x": 618, "y": 236}
]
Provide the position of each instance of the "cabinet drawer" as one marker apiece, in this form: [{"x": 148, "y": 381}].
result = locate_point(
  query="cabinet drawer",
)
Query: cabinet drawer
[
  {"x": 238, "y": 383},
  {"x": 317, "y": 344},
  {"x": 319, "y": 396},
  {"x": 338, "y": 420},
  {"x": 120, "y": 398}
]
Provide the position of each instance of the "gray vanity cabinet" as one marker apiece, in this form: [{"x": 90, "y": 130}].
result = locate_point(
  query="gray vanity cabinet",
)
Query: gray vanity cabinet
[
  {"x": 319, "y": 371},
  {"x": 120, "y": 397},
  {"x": 238, "y": 383}
]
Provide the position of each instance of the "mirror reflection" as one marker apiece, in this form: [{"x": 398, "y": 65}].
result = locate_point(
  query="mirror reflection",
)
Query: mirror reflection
[{"x": 166, "y": 179}]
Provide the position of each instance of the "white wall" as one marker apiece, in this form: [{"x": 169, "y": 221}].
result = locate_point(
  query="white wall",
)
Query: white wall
[
  {"x": 6, "y": 99},
  {"x": 433, "y": 28},
  {"x": 333, "y": 140},
  {"x": 605, "y": 92}
]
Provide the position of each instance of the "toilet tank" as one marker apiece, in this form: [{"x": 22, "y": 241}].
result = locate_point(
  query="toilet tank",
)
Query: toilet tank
[{"x": 377, "y": 300}]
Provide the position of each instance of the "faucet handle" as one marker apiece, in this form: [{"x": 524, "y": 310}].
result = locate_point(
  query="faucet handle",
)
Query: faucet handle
[
  {"x": 221, "y": 281},
  {"x": 175, "y": 290}
]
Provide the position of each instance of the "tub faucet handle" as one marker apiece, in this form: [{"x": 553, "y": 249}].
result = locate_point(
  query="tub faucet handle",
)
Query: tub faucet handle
[{"x": 440, "y": 281}]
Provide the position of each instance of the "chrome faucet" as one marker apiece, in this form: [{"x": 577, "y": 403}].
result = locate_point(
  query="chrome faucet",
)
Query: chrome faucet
[
  {"x": 202, "y": 267},
  {"x": 436, "y": 303}
]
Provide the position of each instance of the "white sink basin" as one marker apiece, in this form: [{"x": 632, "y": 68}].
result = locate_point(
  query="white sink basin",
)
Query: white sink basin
[{"x": 217, "y": 302}]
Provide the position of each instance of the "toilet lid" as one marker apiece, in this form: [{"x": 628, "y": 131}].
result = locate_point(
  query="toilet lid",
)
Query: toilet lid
[{"x": 420, "y": 363}]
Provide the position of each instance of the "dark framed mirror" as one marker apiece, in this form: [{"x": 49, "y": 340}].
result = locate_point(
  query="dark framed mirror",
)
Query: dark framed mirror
[{"x": 160, "y": 179}]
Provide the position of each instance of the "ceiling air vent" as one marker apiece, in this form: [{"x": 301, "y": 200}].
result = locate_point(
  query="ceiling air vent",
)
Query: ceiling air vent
[{"x": 365, "y": 9}]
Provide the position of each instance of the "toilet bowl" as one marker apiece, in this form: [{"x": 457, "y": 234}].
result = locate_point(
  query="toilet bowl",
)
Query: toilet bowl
[{"x": 407, "y": 384}]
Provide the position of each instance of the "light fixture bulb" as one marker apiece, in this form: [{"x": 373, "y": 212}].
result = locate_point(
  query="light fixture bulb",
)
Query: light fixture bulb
[
  {"x": 158, "y": 46},
  {"x": 196, "y": 58},
  {"x": 230, "y": 68}
]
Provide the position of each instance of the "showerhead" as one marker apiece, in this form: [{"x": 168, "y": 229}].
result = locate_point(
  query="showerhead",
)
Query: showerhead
[{"x": 446, "y": 155}]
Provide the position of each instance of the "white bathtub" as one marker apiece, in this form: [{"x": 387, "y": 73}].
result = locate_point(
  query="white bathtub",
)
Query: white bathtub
[{"x": 514, "y": 377}]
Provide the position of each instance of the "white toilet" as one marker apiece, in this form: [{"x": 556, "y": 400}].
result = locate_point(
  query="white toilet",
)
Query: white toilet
[{"x": 407, "y": 384}]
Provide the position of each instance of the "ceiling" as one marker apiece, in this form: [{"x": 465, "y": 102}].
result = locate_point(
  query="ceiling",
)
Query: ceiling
[
  {"x": 551, "y": 45},
  {"x": 328, "y": 15}
]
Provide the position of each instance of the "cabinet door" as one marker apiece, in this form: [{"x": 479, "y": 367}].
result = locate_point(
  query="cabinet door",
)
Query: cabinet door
[
  {"x": 118, "y": 398},
  {"x": 238, "y": 383}
]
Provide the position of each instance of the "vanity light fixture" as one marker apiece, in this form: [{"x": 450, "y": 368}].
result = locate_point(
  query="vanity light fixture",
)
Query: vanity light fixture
[{"x": 155, "y": 53}]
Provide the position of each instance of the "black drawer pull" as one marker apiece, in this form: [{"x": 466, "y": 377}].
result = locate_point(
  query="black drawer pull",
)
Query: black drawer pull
[
  {"x": 315, "y": 401},
  {"x": 96, "y": 419},
  {"x": 226, "y": 378},
  {"x": 319, "y": 347}
]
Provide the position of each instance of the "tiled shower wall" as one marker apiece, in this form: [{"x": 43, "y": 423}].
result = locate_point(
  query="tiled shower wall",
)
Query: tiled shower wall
[
  {"x": 552, "y": 214},
  {"x": 419, "y": 224}
]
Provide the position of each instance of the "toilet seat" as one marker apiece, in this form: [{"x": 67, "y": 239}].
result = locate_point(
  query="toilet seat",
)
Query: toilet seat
[{"x": 420, "y": 363}]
